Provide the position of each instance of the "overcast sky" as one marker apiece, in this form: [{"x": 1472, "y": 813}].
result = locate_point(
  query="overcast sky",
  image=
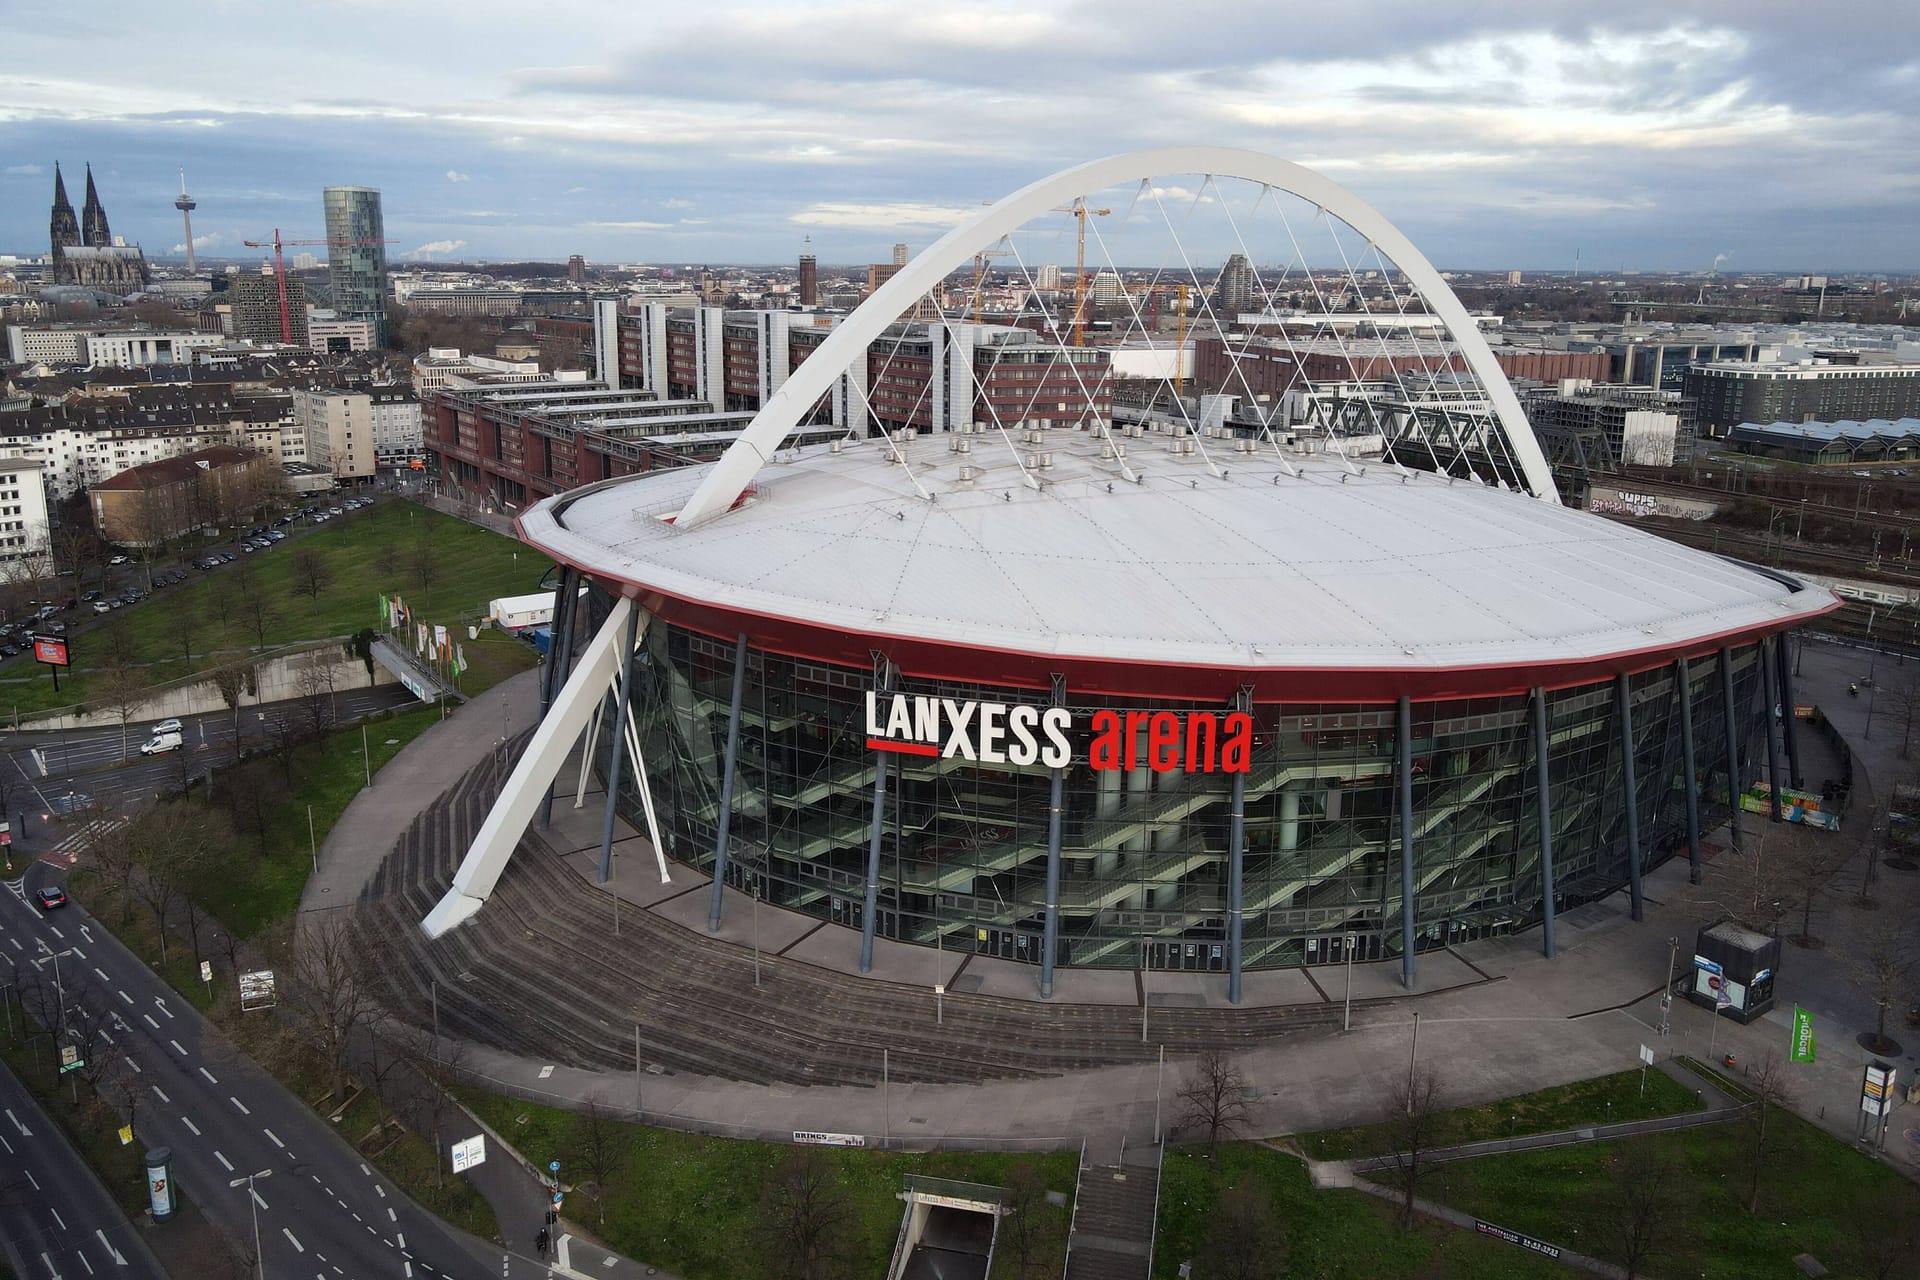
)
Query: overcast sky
[{"x": 1769, "y": 134}]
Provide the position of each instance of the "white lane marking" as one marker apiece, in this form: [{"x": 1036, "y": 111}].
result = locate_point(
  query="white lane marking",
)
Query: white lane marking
[
  {"x": 161, "y": 1004},
  {"x": 103, "y": 974},
  {"x": 177, "y": 1049},
  {"x": 83, "y": 1261},
  {"x": 293, "y": 1239},
  {"x": 57, "y": 1218},
  {"x": 381, "y": 1190},
  {"x": 32, "y": 1179},
  {"x": 276, "y": 1141},
  {"x": 391, "y": 1215},
  {"x": 365, "y": 1170},
  {"x": 24, "y": 1131},
  {"x": 236, "y": 1102},
  {"x": 191, "y": 1126},
  {"x": 56, "y": 932},
  {"x": 131, "y": 1063},
  {"x": 258, "y": 1198},
  {"x": 158, "y": 1093},
  {"x": 223, "y": 1160},
  {"x": 119, "y": 1259},
  {"x": 148, "y": 1019},
  {"x": 77, "y": 951},
  {"x": 209, "y": 1075},
  {"x": 51, "y": 1269},
  {"x": 88, "y": 932},
  {"x": 123, "y": 995},
  {"x": 401, "y": 1236},
  {"x": 16, "y": 944},
  {"x": 6, "y": 1144}
]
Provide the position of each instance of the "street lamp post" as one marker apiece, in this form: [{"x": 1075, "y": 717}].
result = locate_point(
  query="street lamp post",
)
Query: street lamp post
[
  {"x": 313, "y": 846},
  {"x": 59, "y": 986},
  {"x": 1346, "y": 1016},
  {"x": 259, "y": 1258}
]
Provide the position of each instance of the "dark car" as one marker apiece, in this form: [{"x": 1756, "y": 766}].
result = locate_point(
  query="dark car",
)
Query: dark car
[
  {"x": 91, "y": 596},
  {"x": 8, "y": 651},
  {"x": 50, "y": 898}
]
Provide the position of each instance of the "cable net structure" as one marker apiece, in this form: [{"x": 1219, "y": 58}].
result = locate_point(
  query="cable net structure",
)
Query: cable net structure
[{"x": 1237, "y": 302}]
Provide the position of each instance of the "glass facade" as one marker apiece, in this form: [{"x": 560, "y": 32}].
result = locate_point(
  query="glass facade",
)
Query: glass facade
[
  {"x": 1144, "y": 857},
  {"x": 357, "y": 256}
]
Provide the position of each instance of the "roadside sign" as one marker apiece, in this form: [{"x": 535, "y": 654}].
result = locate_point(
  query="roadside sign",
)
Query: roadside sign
[
  {"x": 206, "y": 971},
  {"x": 69, "y": 1056},
  {"x": 1646, "y": 1055},
  {"x": 256, "y": 989},
  {"x": 126, "y": 1135},
  {"x": 469, "y": 1152},
  {"x": 809, "y": 1138}
]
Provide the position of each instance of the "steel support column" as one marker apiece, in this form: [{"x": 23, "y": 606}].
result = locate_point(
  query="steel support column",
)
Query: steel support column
[
  {"x": 1770, "y": 690},
  {"x": 619, "y": 745},
  {"x": 726, "y": 786},
  {"x": 1733, "y": 746},
  {"x": 559, "y": 645},
  {"x": 1406, "y": 841},
  {"x": 1236, "y": 883},
  {"x": 872, "y": 906},
  {"x": 1543, "y": 776},
  {"x": 1783, "y": 666},
  {"x": 1050, "y": 938},
  {"x": 1629, "y": 791},
  {"x": 1687, "y": 763}
]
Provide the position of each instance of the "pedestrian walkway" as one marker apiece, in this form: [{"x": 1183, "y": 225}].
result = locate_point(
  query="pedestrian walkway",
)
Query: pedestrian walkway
[{"x": 1114, "y": 1209}]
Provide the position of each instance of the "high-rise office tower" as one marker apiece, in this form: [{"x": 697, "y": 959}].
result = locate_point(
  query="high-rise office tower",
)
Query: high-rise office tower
[
  {"x": 357, "y": 256},
  {"x": 809, "y": 275},
  {"x": 576, "y": 269},
  {"x": 899, "y": 255},
  {"x": 1237, "y": 290}
]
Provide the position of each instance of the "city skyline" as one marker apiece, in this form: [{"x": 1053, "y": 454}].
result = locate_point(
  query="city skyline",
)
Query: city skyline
[{"x": 1653, "y": 141}]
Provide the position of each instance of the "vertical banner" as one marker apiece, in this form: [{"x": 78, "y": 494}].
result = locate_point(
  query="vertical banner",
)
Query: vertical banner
[{"x": 1802, "y": 1049}]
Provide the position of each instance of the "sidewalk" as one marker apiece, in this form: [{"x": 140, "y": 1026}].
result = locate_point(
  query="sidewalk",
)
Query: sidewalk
[{"x": 363, "y": 837}]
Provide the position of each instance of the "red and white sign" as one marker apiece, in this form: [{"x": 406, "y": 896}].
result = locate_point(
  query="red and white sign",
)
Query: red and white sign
[
  {"x": 1021, "y": 734},
  {"x": 51, "y": 650}
]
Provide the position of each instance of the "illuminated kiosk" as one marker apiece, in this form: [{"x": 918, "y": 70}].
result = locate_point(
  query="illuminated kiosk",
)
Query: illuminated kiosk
[{"x": 1106, "y": 697}]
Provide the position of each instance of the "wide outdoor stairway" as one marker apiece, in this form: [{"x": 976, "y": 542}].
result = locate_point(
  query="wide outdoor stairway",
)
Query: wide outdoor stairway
[
  {"x": 540, "y": 971},
  {"x": 1113, "y": 1217}
]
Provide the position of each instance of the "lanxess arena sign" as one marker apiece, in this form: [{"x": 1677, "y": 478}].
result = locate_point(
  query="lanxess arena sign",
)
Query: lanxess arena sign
[{"x": 1021, "y": 734}]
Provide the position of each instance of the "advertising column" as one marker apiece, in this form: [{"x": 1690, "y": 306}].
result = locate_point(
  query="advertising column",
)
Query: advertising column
[{"x": 161, "y": 1198}]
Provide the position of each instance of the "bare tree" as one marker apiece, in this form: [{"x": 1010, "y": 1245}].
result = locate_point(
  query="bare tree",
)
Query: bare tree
[
  {"x": 310, "y": 571},
  {"x": 1903, "y": 693},
  {"x": 234, "y": 680},
  {"x": 807, "y": 1220},
  {"x": 1760, "y": 1127},
  {"x": 1243, "y": 1243},
  {"x": 437, "y": 1065},
  {"x": 183, "y": 620},
  {"x": 1749, "y": 883},
  {"x": 222, "y": 601},
  {"x": 1022, "y": 1235},
  {"x": 124, "y": 691},
  {"x": 314, "y": 680},
  {"x": 326, "y": 990},
  {"x": 258, "y": 615},
  {"x": 598, "y": 1143},
  {"x": 1883, "y": 964},
  {"x": 1889, "y": 1235},
  {"x": 170, "y": 839},
  {"x": 386, "y": 557},
  {"x": 1811, "y": 864},
  {"x": 117, "y": 644},
  {"x": 1416, "y": 1109},
  {"x": 1642, "y": 1204},
  {"x": 1214, "y": 1098},
  {"x": 423, "y": 565}
]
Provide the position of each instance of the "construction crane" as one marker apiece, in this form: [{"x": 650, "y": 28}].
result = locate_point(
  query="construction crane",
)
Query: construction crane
[
  {"x": 1081, "y": 213},
  {"x": 980, "y": 261},
  {"x": 280, "y": 268}
]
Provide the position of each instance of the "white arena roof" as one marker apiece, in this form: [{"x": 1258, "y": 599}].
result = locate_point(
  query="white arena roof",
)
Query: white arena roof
[{"x": 1256, "y": 569}]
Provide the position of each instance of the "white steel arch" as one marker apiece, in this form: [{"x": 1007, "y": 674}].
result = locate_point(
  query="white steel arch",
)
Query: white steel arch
[{"x": 730, "y": 476}]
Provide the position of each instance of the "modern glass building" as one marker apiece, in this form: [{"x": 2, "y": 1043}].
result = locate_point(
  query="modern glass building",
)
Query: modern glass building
[{"x": 357, "y": 256}]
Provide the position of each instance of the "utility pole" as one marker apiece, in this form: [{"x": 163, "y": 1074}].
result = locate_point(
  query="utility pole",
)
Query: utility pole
[
  {"x": 1666, "y": 996},
  {"x": 1346, "y": 1016},
  {"x": 1413, "y": 1059}
]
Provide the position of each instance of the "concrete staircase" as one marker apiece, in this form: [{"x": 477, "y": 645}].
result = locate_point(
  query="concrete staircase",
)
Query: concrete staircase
[
  {"x": 540, "y": 972},
  {"x": 1113, "y": 1218}
]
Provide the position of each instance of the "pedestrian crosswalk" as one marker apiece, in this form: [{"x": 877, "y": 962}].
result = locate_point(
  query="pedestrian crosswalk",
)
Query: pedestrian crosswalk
[{"x": 72, "y": 844}]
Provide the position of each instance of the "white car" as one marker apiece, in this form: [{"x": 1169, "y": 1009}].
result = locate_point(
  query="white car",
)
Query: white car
[
  {"x": 118, "y": 560},
  {"x": 167, "y": 726},
  {"x": 160, "y": 744}
]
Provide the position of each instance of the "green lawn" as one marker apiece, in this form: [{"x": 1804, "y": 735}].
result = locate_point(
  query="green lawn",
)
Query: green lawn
[
  {"x": 1334, "y": 1235},
  {"x": 328, "y": 774},
  {"x": 470, "y": 566},
  {"x": 687, "y": 1203},
  {"x": 1601, "y": 1100},
  {"x": 1817, "y": 1196}
]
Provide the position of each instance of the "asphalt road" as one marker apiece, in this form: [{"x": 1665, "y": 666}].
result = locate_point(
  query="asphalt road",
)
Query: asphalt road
[
  {"x": 56, "y": 1219},
  {"x": 55, "y": 772},
  {"x": 323, "y": 1211}
]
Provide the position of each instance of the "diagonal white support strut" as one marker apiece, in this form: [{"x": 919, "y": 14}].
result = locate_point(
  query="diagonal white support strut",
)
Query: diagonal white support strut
[
  {"x": 646, "y": 793},
  {"x": 539, "y": 764}
]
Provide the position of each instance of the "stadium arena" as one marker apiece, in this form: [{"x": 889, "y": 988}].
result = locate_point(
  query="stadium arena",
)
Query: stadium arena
[{"x": 1219, "y": 684}]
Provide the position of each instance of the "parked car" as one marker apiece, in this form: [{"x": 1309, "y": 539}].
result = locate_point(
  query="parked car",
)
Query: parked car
[
  {"x": 276, "y": 536},
  {"x": 51, "y": 897},
  {"x": 161, "y": 743},
  {"x": 117, "y": 560},
  {"x": 91, "y": 596},
  {"x": 102, "y": 606},
  {"x": 8, "y": 651}
]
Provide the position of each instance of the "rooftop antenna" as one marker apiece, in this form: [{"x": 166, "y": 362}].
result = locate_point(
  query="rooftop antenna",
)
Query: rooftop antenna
[{"x": 1576, "y": 266}]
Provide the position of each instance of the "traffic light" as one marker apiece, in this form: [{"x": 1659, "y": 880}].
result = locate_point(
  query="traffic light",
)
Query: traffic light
[{"x": 552, "y": 1217}]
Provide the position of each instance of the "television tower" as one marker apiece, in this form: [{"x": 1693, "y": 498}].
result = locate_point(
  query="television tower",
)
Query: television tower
[{"x": 186, "y": 205}]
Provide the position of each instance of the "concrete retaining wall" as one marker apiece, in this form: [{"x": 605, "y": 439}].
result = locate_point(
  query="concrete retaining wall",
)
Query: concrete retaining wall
[{"x": 277, "y": 678}]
